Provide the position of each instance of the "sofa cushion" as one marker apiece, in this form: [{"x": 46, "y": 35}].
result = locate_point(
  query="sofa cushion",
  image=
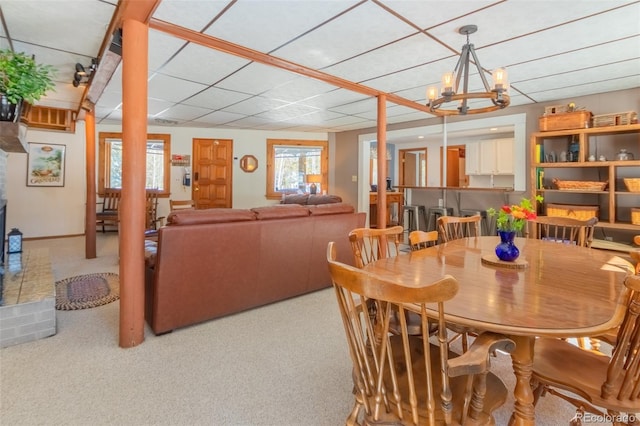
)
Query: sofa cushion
[
  {"x": 280, "y": 211},
  {"x": 334, "y": 208},
  {"x": 193, "y": 217},
  {"x": 295, "y": 199},
  {"x": 323, "y": 199}
]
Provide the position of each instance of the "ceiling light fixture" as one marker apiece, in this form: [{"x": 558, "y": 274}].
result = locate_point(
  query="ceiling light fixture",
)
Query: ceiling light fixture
[{"x": 450, "y": 87}]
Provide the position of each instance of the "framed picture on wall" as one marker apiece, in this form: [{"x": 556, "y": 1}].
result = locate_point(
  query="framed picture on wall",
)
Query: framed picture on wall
[{"x": 45, "y": 164}]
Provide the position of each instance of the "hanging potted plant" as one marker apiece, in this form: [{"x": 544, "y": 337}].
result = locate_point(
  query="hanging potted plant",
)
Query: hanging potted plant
[{"x": 21, "y": 80}]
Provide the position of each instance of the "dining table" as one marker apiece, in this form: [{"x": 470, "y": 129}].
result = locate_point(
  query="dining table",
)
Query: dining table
[{"x": 553, "y": 289}]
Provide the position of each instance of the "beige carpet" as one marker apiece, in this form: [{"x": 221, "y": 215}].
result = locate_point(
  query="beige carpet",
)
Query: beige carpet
[{"x": 283, "y": 364}]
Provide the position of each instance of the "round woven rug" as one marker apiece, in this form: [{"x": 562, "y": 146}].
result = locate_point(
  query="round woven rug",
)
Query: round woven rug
[{"x": 87, "y": 291}]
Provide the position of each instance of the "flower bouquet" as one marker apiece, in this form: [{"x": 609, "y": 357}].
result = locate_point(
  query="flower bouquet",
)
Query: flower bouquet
[{"x": 511, "y": 219}]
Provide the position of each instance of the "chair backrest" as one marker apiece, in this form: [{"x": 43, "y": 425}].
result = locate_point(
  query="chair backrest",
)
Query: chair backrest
[
  {"x": 400, "y": 378},
  {"x": 152, "y": 220},
  {"x": 623, "y": 375},
  {"x": 454, "y": 227},
  {"x": 635, "y": 257},
  {"x": 181, "y": 204},
  {"x": 566, "y": 230},
  {"x": 419, "y": 240},
  {"x": 371, "y": 244},
  {"x": 111, "y": 200}
]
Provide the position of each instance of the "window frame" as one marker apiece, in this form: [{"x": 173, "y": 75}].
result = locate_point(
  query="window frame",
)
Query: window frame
[
  {"x": 104, "y": 160},
  {"x": 272, "y": 144}
]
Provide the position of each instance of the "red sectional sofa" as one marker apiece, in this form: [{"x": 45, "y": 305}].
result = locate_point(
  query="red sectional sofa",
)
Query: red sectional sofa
[{"x": 216, "y": 262}]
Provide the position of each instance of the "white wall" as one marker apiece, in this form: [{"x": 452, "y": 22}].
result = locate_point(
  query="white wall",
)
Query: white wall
[{"x": 47, "y": 212}]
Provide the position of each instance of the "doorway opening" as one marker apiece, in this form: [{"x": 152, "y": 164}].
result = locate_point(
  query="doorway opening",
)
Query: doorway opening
[{"x": 456, "y": 176}]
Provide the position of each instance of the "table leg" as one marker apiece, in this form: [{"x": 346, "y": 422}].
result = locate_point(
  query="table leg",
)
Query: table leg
[{"x": 522, "y": 358}]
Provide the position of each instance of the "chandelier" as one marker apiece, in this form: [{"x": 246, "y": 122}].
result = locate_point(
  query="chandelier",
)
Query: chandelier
[{"x": 451, "y": 84}]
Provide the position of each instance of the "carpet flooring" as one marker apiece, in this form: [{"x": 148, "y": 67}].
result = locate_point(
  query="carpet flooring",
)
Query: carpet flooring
[{"x": 283, "y": 364}]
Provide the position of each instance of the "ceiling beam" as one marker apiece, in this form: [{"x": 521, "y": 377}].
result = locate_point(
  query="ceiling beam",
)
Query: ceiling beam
[
  {"x": 263, "y": 58},
  {"x": 108, "y": 60}
]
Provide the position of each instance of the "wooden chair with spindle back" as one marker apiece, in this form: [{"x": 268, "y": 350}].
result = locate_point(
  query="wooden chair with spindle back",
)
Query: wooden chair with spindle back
[
  {"x": 419, "y": 240},
  {"x": 371, "y": 244},
  {"x": 593, "y": 382},
  {"x": 565, "y": 230},
  {"x": 400, "y": 378},
  {"x": 454, "y": 227}
]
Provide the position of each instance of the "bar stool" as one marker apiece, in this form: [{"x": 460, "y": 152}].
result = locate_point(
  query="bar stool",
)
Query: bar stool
[
  {"x": 434, "y": 213},
  {"x": 413, "y": 216},
  {"x": 484, "y": 224}
]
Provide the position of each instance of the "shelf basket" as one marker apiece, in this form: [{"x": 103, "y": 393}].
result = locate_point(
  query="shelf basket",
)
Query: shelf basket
[
  {"x": 632, "y": 184},
  {"x": 615, "y": 119},
  {"x": 576, "y": 211},
  {"x": 579, "y": 185},
  {"x": 635, "y": 216}
]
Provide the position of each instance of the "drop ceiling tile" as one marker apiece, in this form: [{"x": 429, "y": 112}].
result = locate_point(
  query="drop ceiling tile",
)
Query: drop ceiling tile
[
  {"x": 202, "y": 65},
  {"x": 299, "y": 88},
  {"x": 334, "y": 98},
  {"x": 255, "y": 105},
  {"x": 157, "y": 106},
  {"x": 183, "y": 112},
  {"x": 162, "y": 47},
  {"x": 429, "y": 13},
  {"x": 246, "y": 80},
  {"x": 215, "y": 98},
  {"x": 269, "y": 25},
  {"x": 219, "y": 117},
  {"x": 327, "y": 45},
  {"x": 195, "y": 14},
  {"x": 172, "y": 89},
  {"x": 407, "y": 53},
  {"x": 286, "y": 112},
  {"x": 66, "y": 26},
  {"x": 354, "y": 108}
]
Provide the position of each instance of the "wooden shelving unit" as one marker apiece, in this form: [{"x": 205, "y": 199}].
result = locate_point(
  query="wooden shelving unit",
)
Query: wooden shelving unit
[{"x": 615, "y": 201}]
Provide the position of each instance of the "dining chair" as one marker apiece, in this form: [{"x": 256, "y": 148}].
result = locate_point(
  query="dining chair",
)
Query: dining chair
[
  {"x": 566, "y": 230},
  {"x": 419, "y": 240},
  {"x": 455, "y": 227},
  {"x": 607, "y": 386},
  {"x": 153, "y": 222},
  {"x": 109, "y": 213},
  {"x": 371, "y": 244},
  {"x": 400, "y": 378},
  {"x": 181, "y": 204}
]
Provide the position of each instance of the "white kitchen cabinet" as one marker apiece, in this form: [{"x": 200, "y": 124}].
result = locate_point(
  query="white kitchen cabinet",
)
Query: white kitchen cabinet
[{"x": 490, "y": 157}]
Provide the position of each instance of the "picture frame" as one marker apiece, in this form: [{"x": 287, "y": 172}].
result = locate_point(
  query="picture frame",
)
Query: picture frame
[{"x": 46, "y": 164}]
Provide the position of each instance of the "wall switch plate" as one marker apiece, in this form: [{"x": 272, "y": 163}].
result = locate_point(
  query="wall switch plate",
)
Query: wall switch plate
[{"x": 354, "y": 178}]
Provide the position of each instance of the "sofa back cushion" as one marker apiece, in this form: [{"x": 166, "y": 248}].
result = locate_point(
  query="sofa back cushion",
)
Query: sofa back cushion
[
  {"x": 323, "y": 199},
  {"x": 334, "y": 208},
  {"x": 194, "y": 217},
  {"x": 280, "y": 211}
]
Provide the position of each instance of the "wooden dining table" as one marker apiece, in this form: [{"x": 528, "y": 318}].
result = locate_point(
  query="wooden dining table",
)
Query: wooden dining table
[{"x": 555, "y": 290}]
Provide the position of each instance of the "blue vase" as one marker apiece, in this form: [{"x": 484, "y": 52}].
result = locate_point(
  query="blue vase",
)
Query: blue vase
[{"x": 506, "y": 250}]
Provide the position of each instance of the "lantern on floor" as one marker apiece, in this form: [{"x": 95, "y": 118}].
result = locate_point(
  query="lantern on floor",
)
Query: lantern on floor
[{"x": 14, "y": 239}]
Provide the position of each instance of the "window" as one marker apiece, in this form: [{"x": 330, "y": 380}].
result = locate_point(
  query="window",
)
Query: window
[
  {"x": 293, "y": 165},
  {"x": 157, "y": 164}
]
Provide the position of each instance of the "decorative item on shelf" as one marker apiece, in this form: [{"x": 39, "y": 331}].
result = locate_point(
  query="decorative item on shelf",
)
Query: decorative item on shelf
[
  {"x": 635, "y": 217},
  {"x": 579, "y": 185},
  {"x": 632, "y": 184},
  {"x": 510, "y": 220},
  {"x": 574, "y": 149},
  {"x": 314, "y": 180},
  {"x": 14, "y": 241},
  {"x": 21, "y": 80},
  {"x": 389, "y": 187},
  {"x": 450, "y": 93},
  {"x": 576, "y": 211},
  {"x": 624, "y": 155},
  {"x": 573, "y": 118},
  {"x": 615, "y": 119}
]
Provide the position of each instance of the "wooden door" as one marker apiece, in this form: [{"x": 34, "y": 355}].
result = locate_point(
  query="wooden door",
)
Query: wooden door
[{"x": 212, "y": 173}]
